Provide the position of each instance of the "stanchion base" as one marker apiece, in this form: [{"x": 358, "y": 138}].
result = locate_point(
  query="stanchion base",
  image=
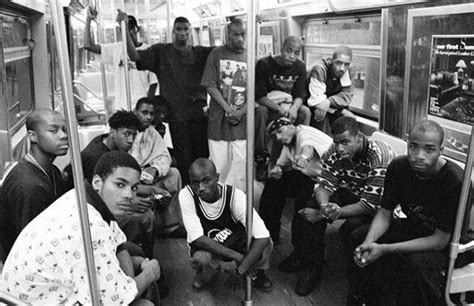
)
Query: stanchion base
[{"x": 247, "y": 303}]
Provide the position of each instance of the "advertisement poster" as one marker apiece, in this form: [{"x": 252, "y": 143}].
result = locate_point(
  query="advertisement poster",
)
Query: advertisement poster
[{"x": 451, "y": 93}]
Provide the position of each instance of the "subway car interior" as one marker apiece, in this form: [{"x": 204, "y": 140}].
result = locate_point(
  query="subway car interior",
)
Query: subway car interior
[{"x": 410, "y": 60}]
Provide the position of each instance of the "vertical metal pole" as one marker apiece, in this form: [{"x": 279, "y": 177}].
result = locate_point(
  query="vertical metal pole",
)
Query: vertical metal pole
[
  {"x": 125, "y": 61},
  {"x": 169, "y": 36},
  {"x": 147, "y": 9},
  {"x": 69, "y": 110},
  {"x": 250, "y": 131},
  {"x": 454, "y": 246},
  {"x": 103, "y": 76}
]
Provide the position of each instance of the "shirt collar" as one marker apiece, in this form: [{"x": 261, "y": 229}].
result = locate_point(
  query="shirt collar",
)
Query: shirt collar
[{"x": 94, "y": 199}]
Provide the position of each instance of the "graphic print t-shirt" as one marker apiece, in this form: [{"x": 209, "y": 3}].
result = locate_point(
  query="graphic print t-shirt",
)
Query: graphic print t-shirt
[{"x": 226, "y": 71}]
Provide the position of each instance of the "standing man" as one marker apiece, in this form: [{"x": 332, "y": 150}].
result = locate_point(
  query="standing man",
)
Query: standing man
[
  {"x": 226, "y": 121},
  {"x": 278, "y": 76},
  {"x": 47, "y": 265},
  {"x": 412, "y": 251},
  {"x": 34, "y": 183},
  {"x": 330, "y": 88},
  {"x": 179, "y": 68},
  {"x": 214, "y": 216},
  {"x": 350, "y": 187},
  {"x": 142, "y": 83},
  {"x": 293, "y": 174}
]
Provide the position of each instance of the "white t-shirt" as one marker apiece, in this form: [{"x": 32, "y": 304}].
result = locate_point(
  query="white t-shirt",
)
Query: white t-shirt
[
  {"x": 238, "y": 208},
  {"x": 305, "y": 136},
  {"x": 140, "y": 81}
]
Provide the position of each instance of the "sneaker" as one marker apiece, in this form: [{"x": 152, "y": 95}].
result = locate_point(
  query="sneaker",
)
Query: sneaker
[
  {"x": 308, "y": 282},
  {"x": 262, "y": 282},
  {"x": 261, "y": 168},
  {"x": 292, "y": 263},
  {"x": 200, "y": 282}
]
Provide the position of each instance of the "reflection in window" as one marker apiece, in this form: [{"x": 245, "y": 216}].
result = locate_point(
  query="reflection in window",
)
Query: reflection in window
[
  {"x": 18, "y": 68},
  {"x": 19, "y": 87},
  {"x": 363, "y": 36}
]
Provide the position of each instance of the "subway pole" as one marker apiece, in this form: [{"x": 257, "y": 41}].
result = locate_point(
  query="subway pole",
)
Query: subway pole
[
  {"x": 57, "y": 14},
  {"x": 251, "y": 47},
  {"x": 123, "y": 26}
]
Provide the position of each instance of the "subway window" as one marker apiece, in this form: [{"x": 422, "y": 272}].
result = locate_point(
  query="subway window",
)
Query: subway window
[
  {"x": 363, "y": 35},
  {"x": 17, "y": 98}
]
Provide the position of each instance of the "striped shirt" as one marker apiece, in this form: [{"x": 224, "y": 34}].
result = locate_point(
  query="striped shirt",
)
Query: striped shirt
[
  {"x": 364, "y": 177},
  {"x": 305, "y": 136}
]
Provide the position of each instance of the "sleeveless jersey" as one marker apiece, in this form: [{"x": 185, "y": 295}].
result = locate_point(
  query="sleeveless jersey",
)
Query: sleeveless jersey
[{"x": 222, "y": 228}]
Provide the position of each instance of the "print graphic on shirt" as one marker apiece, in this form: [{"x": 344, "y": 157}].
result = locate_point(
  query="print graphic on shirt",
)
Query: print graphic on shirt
[
  {"x": 219, "y": 235},
  {"x": 418, "y": 213},
  {"x": 233, "y": 76},
  {"x": 284, "y": 84}
]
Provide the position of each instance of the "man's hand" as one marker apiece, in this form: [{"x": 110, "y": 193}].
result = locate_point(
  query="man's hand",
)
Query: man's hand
[
  {"x": 234, "y": 281},
  {"x": 293, "y": 113},
  {"x": 235, "y": 116},
  {"x": 148, "y": 175},
  {"x": 283, "y": 112},
  {"x": 332, "y": 211},
  {"x": 276, "y": 172},
  {"x": 311, "y": 214},
  {"x": 91, "y": 13},
  {"x": 152, "y": 267},
  {"x": 300, "y": 162},
  {"x": 319, "y": 114},
  {"x": 367, "y": 253},
  {"x": 121, "y": 16},
  {"x": 140, "y": 204},
  {"x": 313, "y": 169}
]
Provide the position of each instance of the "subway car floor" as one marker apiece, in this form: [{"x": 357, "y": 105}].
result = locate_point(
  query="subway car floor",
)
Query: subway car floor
[{"x": 173, "y": 257}]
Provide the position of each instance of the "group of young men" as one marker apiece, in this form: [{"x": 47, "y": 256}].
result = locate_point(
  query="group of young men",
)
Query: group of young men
[{"x": 130, "y": 184}]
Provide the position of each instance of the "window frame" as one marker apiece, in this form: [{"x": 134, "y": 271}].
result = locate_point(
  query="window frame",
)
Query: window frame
[{"x": 365, "y": 51}]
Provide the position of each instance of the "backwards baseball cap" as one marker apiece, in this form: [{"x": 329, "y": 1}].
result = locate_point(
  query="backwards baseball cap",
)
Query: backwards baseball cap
[{"x": 278, "y": 123}]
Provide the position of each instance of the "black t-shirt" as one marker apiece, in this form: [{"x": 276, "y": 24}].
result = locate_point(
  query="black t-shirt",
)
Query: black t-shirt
[
  {"x": 430, "y": 203},
  {"x": 269, "y": 75},
  {"x": 89, "y": 156},
  {"x": 25, "y": 193},
  {"x": 179, "y": 74}
]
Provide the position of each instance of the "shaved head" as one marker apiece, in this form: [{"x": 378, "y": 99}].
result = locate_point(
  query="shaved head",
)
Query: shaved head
[
  {"x": 428, "y": 126},
  {"x": 35, "y": 118},
  {"x": 292, "y": 41},
  {"x": 342, "y": 50},
  {"x": 202, "y": 164}
]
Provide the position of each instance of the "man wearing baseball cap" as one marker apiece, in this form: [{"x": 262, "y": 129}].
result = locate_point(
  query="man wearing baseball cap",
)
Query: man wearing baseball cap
[{"x": 292, "y": 175}]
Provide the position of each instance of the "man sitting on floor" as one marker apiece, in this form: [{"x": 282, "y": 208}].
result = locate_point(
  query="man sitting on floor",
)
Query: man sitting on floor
[
  {"x": 158, "y": 177},
  {"x": 46, "y": 264},
  {"x": 214, "y": 216},
  {"x": 139, "y": 223},
  {"x": 400, "y": 261}
]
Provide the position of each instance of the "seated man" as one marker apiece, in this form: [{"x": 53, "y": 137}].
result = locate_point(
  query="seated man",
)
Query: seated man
[
  {"x": 214, "y": 216},
  {"x": 303, "y": 146},
  {"x": 139, "y": 223},
  {"x": 400, "y": 261},
  {"x": 275, "y": 76},
  {"x": 35, "y": 182},
  {"x": 46, "y": 264},
  {"x": 151, "y": 153},
  {"x": 330, "y": 88},
  {"x": 349, "y": 187}
]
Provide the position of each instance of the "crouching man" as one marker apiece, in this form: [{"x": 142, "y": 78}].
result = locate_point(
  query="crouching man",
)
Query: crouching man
[
  {"x": 214, "y": 218},
  {"x": 46, "y": 265}
]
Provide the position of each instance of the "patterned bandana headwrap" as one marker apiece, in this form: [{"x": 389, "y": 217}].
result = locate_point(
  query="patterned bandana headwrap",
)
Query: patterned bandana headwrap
[{"x": 278, "y": 123}]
